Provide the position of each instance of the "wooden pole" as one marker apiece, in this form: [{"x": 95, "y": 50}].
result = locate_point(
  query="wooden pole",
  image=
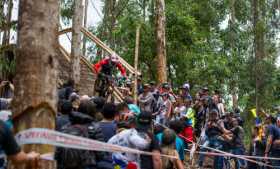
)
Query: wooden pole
[
  {"x": 161, "y": 41},
  {"x": 136, "y": 62},
  {"x": 76, "y": 41},
  {"x": 85, "y": 26}
]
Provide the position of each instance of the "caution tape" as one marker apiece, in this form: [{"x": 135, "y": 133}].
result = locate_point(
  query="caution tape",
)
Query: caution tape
[
  {"x": 54, "y": 138},
  {"x": 222, "y": 152},
  {"x": 229, "y": 155}
]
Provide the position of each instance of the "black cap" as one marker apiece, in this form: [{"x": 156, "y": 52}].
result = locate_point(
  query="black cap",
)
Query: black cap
[
  {"x": 144, "y": 121},
  {"x": 152, "y": 83},
  {"x": 165, "y": 86}
]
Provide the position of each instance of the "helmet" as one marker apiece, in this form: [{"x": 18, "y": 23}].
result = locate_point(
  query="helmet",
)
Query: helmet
[{"x": 114, "y": 57}]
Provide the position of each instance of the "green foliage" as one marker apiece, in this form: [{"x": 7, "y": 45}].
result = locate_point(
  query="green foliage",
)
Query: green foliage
[
  {"x": 7, "y": 62},
  {"x": 203, "y": 47},
  {"x": 66, "y": 10}
]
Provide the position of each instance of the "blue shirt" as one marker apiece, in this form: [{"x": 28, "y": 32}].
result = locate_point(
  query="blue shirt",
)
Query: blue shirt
[
  {"x": 179, "y": 145},
  {"x": 274, "y": 131},
  {"x": 109, "y": 129}
]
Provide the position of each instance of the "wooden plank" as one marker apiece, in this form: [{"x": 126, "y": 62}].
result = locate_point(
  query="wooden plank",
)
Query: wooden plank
[
  {"x": 67, "y": 30},
  {"x": 109, "y": 50}
]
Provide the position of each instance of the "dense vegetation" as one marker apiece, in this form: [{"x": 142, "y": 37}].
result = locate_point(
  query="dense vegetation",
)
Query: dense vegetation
[{"x": 229, "y": 45}]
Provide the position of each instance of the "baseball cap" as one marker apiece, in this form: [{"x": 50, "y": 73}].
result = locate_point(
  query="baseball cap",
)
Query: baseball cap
[
  {"x": 152, "y": 83},
  {"x": 165, "y": 86},
  {"x": 205, "y": 88},
  {"x": 144, "y": 120},
  {"x": 186, "y": 86},
  {"x": 146, "y": 85}
]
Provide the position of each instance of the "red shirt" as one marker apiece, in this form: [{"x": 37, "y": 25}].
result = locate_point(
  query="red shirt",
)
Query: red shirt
[{"x": 97, "y": 67}]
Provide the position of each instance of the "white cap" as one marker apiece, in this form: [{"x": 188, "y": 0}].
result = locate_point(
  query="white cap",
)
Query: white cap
[{"x": 186, "y": 86}]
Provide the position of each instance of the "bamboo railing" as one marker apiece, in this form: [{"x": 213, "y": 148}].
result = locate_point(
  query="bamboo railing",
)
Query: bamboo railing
[
  {"x": 98, "y": 42},
  {"x": 116, "y": 92}
]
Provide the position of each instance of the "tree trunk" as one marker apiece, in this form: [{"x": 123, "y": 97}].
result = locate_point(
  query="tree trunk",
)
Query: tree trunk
[
  {"x": 233, "y": 51},
  {"x": 34, "y": 103},
  {"x": 136, "y": 58},
  {"x": 76, "y": 41},
  {"x": 85, "y": 25},
  {"x": 161, "y": 42},
  {"x": 259, "y": 50},
  {"x": 7, "y": 22}
]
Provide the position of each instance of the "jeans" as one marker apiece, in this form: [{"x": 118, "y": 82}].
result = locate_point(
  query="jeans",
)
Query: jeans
[
  {"x": 238, "y": 162},
  {"x": 276, "y": 154},
  {"x": 213, "y": 143}
]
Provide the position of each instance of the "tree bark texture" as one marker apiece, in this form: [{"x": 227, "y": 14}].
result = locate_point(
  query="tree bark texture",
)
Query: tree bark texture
[
  {"x": 161, "y": 42},
  {"x": 232, "y": 22},
  {"x": 259, "y": 50},
  {"x": 34, "y": 103},
  {"x": 76, "y": 41},
  {"x": 136, "y": 58}
]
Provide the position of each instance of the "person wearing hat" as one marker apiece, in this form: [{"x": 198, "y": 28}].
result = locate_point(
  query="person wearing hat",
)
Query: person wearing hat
[
  {"x": 144, "y": 127},
  {"x": 146, "y": 100},
  {"x": 205, "y": 91},
  {"x": 185, "y": 91},
  {"x": 166, "y": 88},
  {"x": 165, "y": 109},
  {"x": 138, "y": 138}
]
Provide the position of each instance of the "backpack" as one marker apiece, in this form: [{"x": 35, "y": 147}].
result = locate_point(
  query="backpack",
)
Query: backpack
[{"x": 68, "y": 158}]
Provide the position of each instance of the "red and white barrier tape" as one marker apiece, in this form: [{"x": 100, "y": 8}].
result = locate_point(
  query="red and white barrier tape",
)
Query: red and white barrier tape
[
  {"x": 54, "y": 138},
  {"x": 222, "y": 152}
]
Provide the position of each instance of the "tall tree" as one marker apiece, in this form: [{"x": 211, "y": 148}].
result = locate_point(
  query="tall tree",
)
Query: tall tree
[
  {"x": 76, "y": 41},
  {"x": 161, "y": 42},
  {"x": 259, "y": 49},
  {"x": 34, "y": 103},
  {"x": 232, "y": 35}
]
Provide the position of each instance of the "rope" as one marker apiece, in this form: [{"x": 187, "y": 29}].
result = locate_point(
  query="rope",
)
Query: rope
[{"x": 222, "y": 152}]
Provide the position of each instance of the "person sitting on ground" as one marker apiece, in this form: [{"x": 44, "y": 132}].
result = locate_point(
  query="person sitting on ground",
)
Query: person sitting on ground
[
  {"x": 12, "y": 149},
  {"x": 63, "y": 116},
  {"x": 168, "y": 148}
]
